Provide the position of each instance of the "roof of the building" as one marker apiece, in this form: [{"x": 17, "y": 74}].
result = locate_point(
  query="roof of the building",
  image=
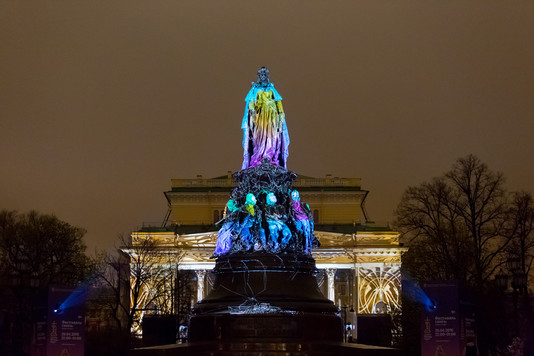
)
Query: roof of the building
[
  {"x": 337, "y": 228},
  {"x": 180, "y": 229},
  {"x": 227, "y": 183},
  {"x": 352, "y": 228}
]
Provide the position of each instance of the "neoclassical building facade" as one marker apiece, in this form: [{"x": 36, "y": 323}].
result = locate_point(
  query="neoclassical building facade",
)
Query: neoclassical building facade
[{"x": 358, "y": 262}]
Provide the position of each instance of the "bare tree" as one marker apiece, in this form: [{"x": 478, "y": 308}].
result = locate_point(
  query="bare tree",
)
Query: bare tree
[
  {"x": 458, "y": 226},
  {"x": 185, "y": 294},
  {"x": 427, "y": 217},
  {"x": 455, "y": 224},
  {"x": 140, "y": 277},
  {"x": 167, "y": 282},
  {"x": 112, "y": 285},
  {"x": 483, "y": 207}
]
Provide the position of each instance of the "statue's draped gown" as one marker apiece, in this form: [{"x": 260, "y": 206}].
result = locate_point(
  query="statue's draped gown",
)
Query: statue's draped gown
[{"x": 264, "y": 128}]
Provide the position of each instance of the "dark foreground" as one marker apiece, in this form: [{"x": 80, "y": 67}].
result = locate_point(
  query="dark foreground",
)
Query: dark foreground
[{"x": 265, "y": 349}]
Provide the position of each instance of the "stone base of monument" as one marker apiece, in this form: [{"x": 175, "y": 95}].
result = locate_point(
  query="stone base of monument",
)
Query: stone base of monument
[
  {"x": 264, "y": 283},
  {"x": 266, "y": 304},
  {"x": 266, "y": 349},
  {"x": 262, "y": 297},
  {"x": 296, "y": 328}
]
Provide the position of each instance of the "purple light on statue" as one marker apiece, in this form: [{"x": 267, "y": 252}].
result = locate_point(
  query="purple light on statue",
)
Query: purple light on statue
[{"x": 264, "y": 126}]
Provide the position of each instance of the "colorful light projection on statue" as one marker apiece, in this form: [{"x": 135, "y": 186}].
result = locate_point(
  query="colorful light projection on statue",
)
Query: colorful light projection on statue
[
  {"x": 264, "y": 213},
  {"x": 304, "y": 221},
  {"x": 264, "y": 126}
]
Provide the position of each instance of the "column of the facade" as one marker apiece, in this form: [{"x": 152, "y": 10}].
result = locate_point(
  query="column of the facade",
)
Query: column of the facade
[
  {"x": 201, "y": 274},
  {"x": 356, "y": 287},
  {"x": 331, "y": 273}
]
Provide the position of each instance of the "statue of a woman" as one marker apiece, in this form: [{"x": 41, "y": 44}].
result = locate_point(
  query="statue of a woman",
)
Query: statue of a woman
[{"x": 264, "y": 126}]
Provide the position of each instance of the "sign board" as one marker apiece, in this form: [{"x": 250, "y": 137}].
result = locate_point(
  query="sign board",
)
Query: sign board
[
  {"x": 59, "y": 330},
  {"x": 447, "y": 323}
]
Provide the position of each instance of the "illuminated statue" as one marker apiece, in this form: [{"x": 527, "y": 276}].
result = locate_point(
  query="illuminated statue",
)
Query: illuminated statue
[
  {"x": 264, "y": 213},
  {"x": 264, "y": 263},
  {"x": 264, "y": 249},
  {"x": 264, "y": 126}
]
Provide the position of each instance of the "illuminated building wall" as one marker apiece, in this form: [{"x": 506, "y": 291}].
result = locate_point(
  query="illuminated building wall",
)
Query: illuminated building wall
[{"x": 358, "y": 261}]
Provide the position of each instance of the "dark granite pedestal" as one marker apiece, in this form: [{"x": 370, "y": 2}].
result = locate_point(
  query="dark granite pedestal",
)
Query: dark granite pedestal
[
  {"x": 266, "y": 304},
  {"x": 266, "y": 349},
  {"x": 284, "y": 328},
  {"x": 285, "y": 281}
]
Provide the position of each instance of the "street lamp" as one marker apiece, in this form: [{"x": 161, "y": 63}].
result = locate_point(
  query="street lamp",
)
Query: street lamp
[
  {"x": 519, "y": 277},
  {"x": 351, "y": 326},
  {"x": 501, "y": 280},
  {"x": 34, "y": 280},
  {"x": 518, "y": 283},
  {"x": 347, "y": 333}
]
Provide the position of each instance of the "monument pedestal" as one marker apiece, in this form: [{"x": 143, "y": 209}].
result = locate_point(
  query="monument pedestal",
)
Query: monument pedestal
[
  {"x": 266, "y": 304},
  {"x": 285, "y": 281},
  {"x": 266, "y": 349},
  {"x": 270, "y": 328},
  {"x": 264, "y": 298}
]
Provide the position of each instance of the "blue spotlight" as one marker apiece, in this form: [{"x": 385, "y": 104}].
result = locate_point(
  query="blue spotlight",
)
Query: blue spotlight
[
  {"x": 417, "y": 294},
  {"x": 76, "y": 297},
  {"x": 431, "y": 306}
]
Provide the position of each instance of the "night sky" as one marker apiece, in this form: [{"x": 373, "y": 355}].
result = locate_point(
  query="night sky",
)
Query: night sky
[{"x": 102, "y": 103}]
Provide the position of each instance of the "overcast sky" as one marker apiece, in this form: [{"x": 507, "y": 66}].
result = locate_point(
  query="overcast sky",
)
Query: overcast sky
[{"x": 102, "y": 103}]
